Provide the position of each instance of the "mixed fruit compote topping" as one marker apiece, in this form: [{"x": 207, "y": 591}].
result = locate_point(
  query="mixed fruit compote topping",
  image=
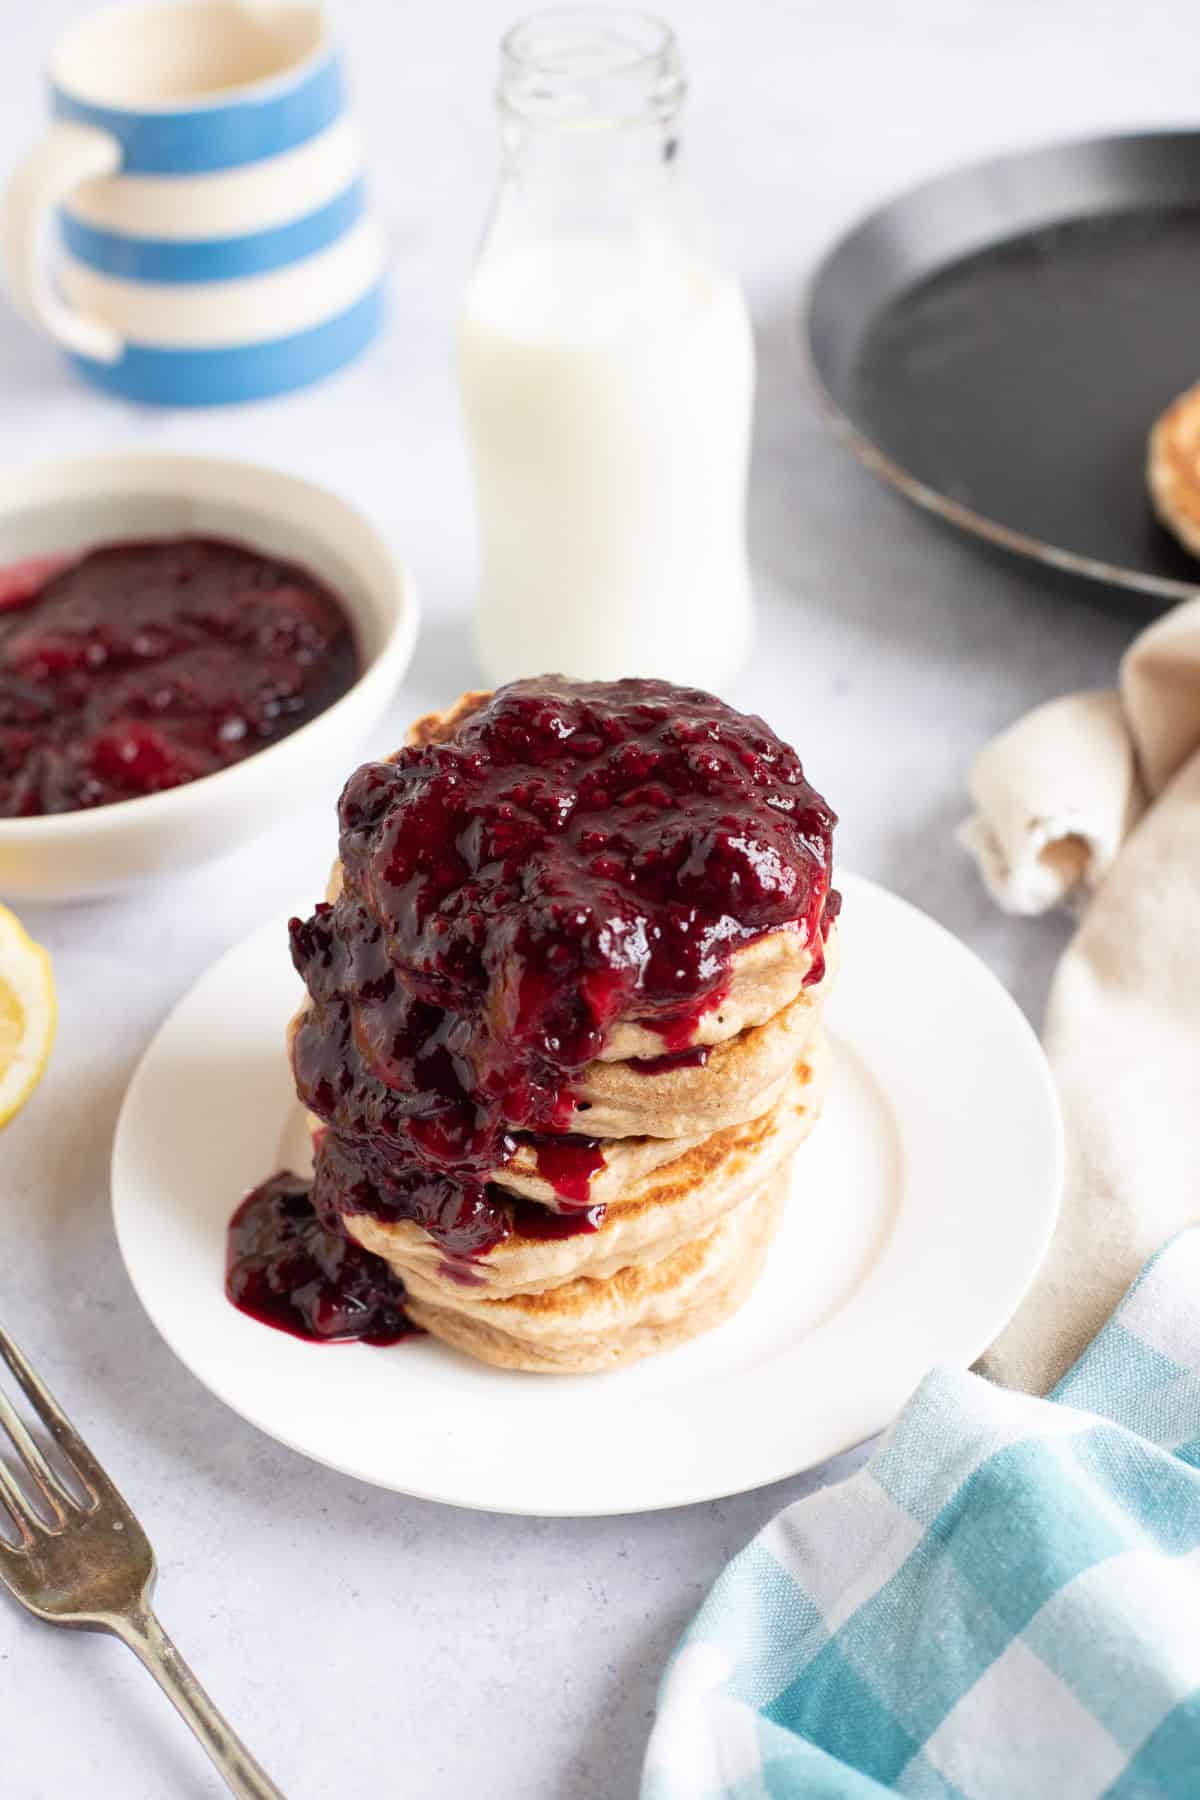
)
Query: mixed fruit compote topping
[
  {"x": 573, "y": 855},
  {"x": 141, "y": 666}
]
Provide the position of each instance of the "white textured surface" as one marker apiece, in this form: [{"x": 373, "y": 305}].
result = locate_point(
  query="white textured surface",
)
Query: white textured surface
[{"x": 366, "y": 1644}]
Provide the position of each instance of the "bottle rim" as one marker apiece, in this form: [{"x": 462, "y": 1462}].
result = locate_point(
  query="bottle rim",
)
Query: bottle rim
[{"x": 590, "y": 65}]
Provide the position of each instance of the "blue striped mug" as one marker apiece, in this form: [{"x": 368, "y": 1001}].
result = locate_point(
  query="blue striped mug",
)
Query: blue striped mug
[{"x": 207, "y": 180}]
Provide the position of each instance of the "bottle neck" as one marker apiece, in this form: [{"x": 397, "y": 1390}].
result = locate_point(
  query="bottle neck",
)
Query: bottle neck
[
  {"x": 610, "y": 180},
  {"x": 589, "y": 101}
]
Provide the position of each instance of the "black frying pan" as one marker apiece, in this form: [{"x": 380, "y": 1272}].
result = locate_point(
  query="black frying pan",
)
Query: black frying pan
[{"x": 998, "y": 342}]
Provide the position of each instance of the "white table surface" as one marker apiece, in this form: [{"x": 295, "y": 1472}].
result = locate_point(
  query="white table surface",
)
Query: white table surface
[{"x": 364, "y": 1643}]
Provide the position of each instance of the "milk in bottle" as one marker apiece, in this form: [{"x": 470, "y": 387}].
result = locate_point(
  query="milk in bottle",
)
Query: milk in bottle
[{"x": 607, "y": 370}]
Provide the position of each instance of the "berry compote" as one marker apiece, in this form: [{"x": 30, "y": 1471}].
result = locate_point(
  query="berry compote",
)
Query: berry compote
[
  {"x": 285, "y": 1269},
  {"x": 574, "y": 855},
  {"x": 141, "y": 666}
]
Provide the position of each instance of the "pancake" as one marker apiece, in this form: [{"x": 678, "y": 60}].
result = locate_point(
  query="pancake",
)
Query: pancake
[
  {"x": 440, "y": 727},
  {"x": 651, "y": 1219},
  {"x": 587, "y": 1326},
  {"x": 626, "y": 1162},
  {"x": 739, "y": 1079},
  {"x": 765, "y": 976},
  {"x": 1173, "y": 469}
]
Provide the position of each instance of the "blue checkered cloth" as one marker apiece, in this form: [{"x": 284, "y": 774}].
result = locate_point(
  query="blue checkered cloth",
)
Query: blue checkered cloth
[{"x": 1002, "y": 1604}]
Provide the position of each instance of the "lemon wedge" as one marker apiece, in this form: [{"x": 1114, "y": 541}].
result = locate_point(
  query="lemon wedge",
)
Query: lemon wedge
[{"x": 28, "y": 1014}]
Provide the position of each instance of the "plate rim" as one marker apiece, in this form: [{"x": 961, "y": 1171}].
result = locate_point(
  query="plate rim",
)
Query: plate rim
[
  {"x": 823, "y": 1444},
  {"x": 879, "y": 462}
]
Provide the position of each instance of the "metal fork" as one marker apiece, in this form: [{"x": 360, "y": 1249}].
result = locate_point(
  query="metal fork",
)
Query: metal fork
[{"x": 89, "y": 1565}]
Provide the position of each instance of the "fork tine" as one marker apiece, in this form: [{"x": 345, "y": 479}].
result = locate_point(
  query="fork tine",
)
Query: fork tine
[
  {"x": 49, "y": 1484},
  {"x": 54, "y": 1419},
  {"x": 17, "y": 1508},
  {"x": 12, "y": 1560}
]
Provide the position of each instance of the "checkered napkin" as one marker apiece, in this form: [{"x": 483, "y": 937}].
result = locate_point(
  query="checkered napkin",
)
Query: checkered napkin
[{"x": 1003, "y": 1604}]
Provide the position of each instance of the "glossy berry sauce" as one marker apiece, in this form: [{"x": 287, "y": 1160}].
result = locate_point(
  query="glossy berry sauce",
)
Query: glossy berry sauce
[
  {"x": 568, "y": 1163},
  {"x": 533, "y": 1221},
  {"x": 142, "y": 666},
  {"x": 285, "y": 1269},
  {"x": 578, "y": 854}
]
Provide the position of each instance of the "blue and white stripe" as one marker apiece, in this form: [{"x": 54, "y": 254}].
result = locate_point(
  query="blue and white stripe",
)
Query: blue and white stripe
[
  {"x": 227, "y": 258},
  {"x": 224, "y": 134},
  {"x": 232, "y": 253},
  {"x": 1001, "y": 1603}
]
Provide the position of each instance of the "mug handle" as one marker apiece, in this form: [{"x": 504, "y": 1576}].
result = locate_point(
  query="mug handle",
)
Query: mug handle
[{"x": 69, "y": 153}]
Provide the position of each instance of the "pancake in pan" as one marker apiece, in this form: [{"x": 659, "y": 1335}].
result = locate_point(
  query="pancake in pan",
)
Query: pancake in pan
[{"x": 1173, "y": 469}]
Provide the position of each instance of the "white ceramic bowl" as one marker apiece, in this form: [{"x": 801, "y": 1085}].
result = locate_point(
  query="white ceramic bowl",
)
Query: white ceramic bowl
[{"x": 76, "y": 503}]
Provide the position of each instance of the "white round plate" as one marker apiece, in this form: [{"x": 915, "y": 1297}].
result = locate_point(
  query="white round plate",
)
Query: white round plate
[{"x": 921, "y": 1208}]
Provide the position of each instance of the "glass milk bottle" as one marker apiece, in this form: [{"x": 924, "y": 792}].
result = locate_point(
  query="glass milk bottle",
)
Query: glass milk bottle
[{"x": 607, "y": 371}]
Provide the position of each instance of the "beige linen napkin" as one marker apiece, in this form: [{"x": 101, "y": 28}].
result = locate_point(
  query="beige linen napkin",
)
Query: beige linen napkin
[{"x": 1096, "y": 799}]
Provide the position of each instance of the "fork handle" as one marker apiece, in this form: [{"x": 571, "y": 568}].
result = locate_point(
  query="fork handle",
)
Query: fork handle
[{"x": 150, "y": 1643}]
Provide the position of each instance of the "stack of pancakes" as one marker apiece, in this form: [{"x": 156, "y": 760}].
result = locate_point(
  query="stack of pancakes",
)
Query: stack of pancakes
[{"x": 693, "y": 1153}]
